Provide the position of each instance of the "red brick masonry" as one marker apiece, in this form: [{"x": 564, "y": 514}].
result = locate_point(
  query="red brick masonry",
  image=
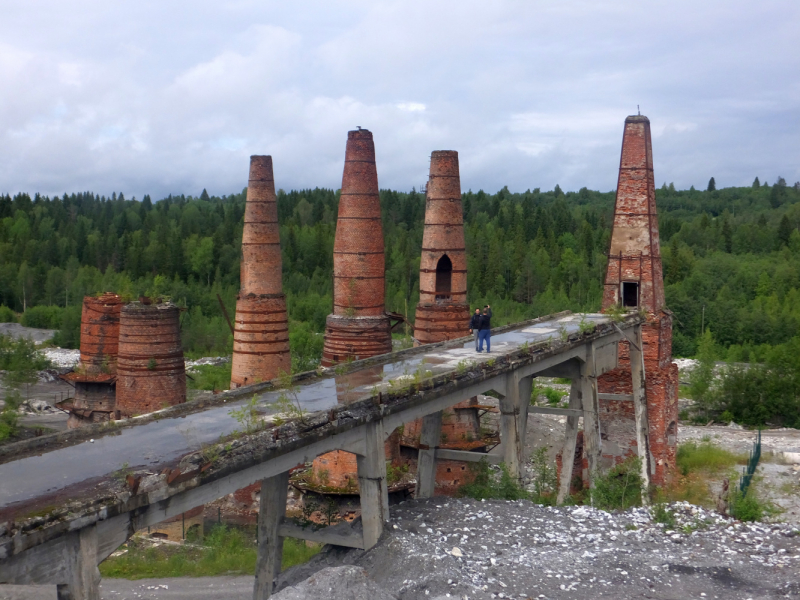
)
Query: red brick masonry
[{"x": 261, "y": 329}]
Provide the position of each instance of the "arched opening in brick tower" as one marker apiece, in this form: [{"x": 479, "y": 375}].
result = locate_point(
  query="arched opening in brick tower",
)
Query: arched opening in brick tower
[{"x": 444, "y": 278}]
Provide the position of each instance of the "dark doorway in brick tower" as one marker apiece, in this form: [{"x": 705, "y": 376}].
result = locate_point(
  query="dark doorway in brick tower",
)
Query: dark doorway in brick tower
[
  {"x": 444, "y": 278},
  {"x": 630, "y": 294}
]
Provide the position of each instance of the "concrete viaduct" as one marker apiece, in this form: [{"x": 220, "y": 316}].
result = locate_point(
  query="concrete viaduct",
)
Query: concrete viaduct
[{"x": 57, "y": 532}]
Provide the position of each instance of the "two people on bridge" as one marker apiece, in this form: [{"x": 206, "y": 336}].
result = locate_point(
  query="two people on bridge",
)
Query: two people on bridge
[{"x": 480, "y": 325}]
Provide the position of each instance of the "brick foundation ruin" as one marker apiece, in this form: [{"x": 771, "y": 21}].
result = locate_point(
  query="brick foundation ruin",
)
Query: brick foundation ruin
[
  {"x": 151, "y": 374},
  {"x": 261, "y": 331},
  {"x": 634, "y": 280},
  {"x": 95, "y": 376}
]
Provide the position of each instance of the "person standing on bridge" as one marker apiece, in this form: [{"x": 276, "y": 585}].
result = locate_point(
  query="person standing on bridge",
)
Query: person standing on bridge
[
  {"x": 475, "y": 325},
  {"x": 485, "y": 329}
]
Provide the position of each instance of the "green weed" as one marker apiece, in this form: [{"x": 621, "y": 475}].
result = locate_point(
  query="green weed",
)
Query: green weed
[
  {"x": 224, "y": 551},
  {"x": 620, "y": 488}
]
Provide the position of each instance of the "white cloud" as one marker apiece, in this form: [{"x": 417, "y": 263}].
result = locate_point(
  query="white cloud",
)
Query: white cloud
[{"x": 173, "y": 97}]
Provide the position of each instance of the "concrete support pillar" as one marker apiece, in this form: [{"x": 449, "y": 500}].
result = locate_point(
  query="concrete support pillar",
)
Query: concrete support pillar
[
  {"x": 426, "y": 460},
  {"x": 640, "y": 408},
  {"x": 83, "y": 576},
  {"x": 271, "y": 512},
  {"x": 514, "y": 421},
  {"x": 591, "y": 423},
  {"x": 570, "y": 439},
  {"x": 372, "y": 482}
]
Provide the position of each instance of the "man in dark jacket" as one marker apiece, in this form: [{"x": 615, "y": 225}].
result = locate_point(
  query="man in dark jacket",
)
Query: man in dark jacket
[
  {"x": 475, "y": 325},
  {"x": 485, "y": 329}
]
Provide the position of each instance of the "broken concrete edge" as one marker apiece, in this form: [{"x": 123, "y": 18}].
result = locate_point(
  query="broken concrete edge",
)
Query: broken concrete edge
[
  {"x": 37, "y": 445},
  {"x": 252, "y": 449}
]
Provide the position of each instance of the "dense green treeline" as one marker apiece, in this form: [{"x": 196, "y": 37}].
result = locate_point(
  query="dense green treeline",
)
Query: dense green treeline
[{"x": 731, "y": 258}]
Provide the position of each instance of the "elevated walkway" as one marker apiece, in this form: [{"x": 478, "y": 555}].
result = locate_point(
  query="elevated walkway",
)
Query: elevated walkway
[{"x": 68, "y": 501}]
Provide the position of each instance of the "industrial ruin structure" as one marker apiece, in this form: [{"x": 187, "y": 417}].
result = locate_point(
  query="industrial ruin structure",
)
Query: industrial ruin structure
[
  {"x": 359, "y": 326},
  {"x": 261, "y": 331},
  {"x": 442, "y": 313},
  {"x": 95, "y": 376},
  {"x": 634, "y": 281},
  {"x": 151, "y": 373}
]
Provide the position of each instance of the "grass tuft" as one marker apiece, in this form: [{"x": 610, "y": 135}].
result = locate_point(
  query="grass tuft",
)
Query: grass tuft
[{"x": 223, "y": 551}]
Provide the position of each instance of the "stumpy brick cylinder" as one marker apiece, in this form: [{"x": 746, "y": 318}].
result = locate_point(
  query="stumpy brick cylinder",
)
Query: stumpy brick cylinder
[
  {"x": 95, "y": 376},
  {"x": 358, "y": 327},
  {"x": 634, "y": 281},
  {"x": 442, "y": 313},
  {"x": 150, "y": 370},
  {"x": 261, "y": 330}
]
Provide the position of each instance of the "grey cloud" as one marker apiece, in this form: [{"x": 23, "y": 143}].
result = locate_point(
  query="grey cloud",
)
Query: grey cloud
[{"x": 160, "y": 98}]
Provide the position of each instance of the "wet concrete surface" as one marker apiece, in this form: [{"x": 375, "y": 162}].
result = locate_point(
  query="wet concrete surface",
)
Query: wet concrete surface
[{"x": 160, "y": 443}]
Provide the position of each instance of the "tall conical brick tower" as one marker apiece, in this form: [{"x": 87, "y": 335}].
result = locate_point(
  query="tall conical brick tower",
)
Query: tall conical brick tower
[
  {"x": 358, "y": 327},
  {"x": 634, "y": 280},
  {"x": 261, "y": 331},
  {"x": 442, "y": 312}
]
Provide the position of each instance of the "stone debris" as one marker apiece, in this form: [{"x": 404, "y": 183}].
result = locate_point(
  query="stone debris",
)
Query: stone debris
[
  {"x": 213, "y": 361},
  {"x": 62, "y": 358},
  {"x": 336, "y": 583},
  {"x": 521, "y": 550}
]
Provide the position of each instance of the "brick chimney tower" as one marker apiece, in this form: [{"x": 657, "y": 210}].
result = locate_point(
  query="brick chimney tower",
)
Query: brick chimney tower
[
  {"x": 634, "y": 281},
  {"x": 261, "y": 330},
  {"x": 358, "y": 327},
  {"x": 442, "y": 312}
]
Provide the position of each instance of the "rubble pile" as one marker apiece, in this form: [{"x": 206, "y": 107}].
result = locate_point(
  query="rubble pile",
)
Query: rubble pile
[{"x": 453, "y": 548}]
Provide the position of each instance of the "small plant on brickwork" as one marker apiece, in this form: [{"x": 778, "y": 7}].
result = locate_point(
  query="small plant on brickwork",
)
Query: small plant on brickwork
[
  {"x": 620, "y": 488},
  {"x": 105, "y": 365},
  {"x": 307, "y": 509},
  {"x": 586, "y": 326},
  {"x": 545, "y": 480},
  {"x": 395, "y": 474},
  {"x": 151, "y": 364},
  {"x": 563, "y": 334},
  {"x": 323, "y": 476},
  {"x": 331, "y": 512},
  {"x": 491, "y": 362},
  {"x": 617, "y": 313},
  {"x": 247, "y": 416}
]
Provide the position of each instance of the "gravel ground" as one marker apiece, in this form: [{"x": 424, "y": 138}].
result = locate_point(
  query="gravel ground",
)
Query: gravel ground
[{"x": 448, "y": 548}]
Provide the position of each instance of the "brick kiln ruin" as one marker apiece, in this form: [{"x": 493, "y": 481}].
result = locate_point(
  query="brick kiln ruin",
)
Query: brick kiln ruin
[
  {"x": 95, "y": 377},
  {"x": 359, "y": 326},
  {"x": 151, "y": 372},
  {"x": 443, "y": 313},
  {"x": 261, "y": 331},
  {"x": 633, "y": 281}
]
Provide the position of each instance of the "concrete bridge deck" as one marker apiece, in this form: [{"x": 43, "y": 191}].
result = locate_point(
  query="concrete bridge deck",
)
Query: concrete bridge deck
[{"x": 67, "y": 501}]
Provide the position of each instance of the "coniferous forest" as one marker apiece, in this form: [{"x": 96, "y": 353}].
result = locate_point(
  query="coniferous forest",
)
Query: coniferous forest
[{"x": 731, "y": 259}]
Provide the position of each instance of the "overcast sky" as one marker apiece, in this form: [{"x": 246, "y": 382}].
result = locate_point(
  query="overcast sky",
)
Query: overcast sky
[{"x": 170, "y": 96}]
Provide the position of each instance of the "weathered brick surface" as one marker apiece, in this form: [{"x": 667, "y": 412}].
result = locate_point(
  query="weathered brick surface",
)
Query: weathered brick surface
[
  {"x": 339, "y": 469},
  {"x": 635, "y": 256},
  {"x": 261, "y": 329},
  {"x": 95, "y": 376},
  {"x": 358, "y": 327},
  {"x": 150, "y": 368},
  {"x": 442, "y": 314},
  {"x": 177, "y": 528}
]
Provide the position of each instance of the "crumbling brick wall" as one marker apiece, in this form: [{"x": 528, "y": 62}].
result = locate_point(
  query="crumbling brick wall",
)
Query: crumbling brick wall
[{"x": 635, "y": 259}]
